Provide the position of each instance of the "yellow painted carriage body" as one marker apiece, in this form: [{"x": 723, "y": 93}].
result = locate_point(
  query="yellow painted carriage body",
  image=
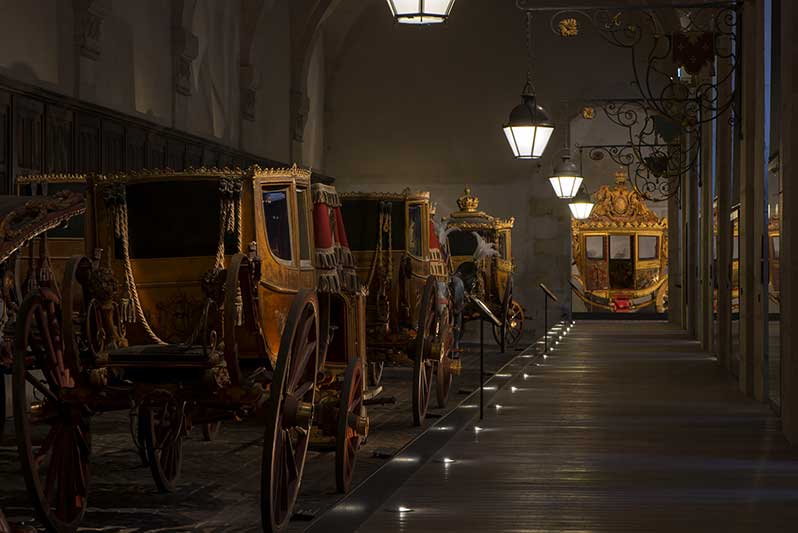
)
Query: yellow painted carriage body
[
  {"x": 374, "y": 263},
  {"x": 169, "y": 288},
  {"x": 496, "y": 270},
  {"x": 620, "y": 284}
]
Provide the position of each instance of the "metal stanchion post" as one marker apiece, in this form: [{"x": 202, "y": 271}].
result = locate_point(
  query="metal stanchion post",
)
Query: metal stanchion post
[{"x": 481, "y": 368}]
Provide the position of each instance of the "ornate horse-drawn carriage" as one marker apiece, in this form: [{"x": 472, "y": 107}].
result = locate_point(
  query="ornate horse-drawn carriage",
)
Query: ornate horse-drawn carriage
[
  {"x": 621, "y": 253},
  {"x": 199, "y": 302},
  {"x": 480, "y": 247},
  {"x": 24, "y": 223},
  {"x": 413, "y": 300}
]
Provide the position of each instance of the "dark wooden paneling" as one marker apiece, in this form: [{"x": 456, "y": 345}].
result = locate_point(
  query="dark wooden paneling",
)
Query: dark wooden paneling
[
  {"x": 175, "y": 154},
  {"x": 113, "y": 143},
  {"x": 28, "y": 136},
  {"x": 88, "y": 144},
  {"x": 193, "y": 156},
  {"x": 210, "y": 158},
  {"x": 5, "y": 142},
  {"x": 135, "y": 149},
  {"x": 59, "y": 140},
  {"x": 41, "y": 131},
  {"x": 156, "y": 149},
  {"x": 225, "y": 159}
]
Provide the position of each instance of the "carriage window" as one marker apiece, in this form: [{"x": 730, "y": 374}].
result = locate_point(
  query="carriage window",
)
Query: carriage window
[
  {"x": 304, "y": 237},
  {"x": 594, "y": 247},
  {"x": 503, "y": 245},
  {"x": 414, "y": 230},
  {"x": 278, "y": 222},
  {"x": 647, "y": 247},
  {"x": 620, "y": 246},
  {"x": 462, "y": 243},
  {"x": 776, "y": 246}
]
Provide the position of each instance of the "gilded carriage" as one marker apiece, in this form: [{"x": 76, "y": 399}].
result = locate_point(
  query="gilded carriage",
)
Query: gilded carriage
[
  {"x": 412, "y": 298},
  {"x": 24, "y": 225},
  {"x": 200, "y": 300},
  {"x": 620, "y": 253},
  {"x": 480, "y": 250}
]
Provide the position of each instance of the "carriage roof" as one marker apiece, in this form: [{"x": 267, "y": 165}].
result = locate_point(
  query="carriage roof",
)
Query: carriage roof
[
  {"x": 470, "y": 218},
  {"x": 25, "y": 217},
  {"x": 620, "y": 208},
  {"x": 404, "y": 196}
]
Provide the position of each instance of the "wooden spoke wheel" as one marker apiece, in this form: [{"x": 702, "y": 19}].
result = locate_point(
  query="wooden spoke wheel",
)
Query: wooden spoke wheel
[
  {"x": 515, "y": 324},
  {"x": 375, "y": 373},
  {"x": 353, "y": 425},
  {"x": 290, "y": 413},
  {"x": 210, "y": 430},
  {"x": 443, "y": 370},
  {"x": 161, "y": 428},
  {"x": 53, "y": 435},
  {"x": 423, "y": 364},
  {"x": 138, "y": 438},
  {"x": 500, "y": 333},
  {"x": 2, "y": 403}
]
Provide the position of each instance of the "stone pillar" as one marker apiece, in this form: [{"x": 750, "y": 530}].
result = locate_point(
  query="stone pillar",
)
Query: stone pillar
[
  {"x": 707, "y": 238},
  {"x": 674, "y": 263},
  {"x": 789, "y": 223},
  {"x": 723, "y": 173},
  {"x": 752, "y": 177},
  {"x": 690, "y": 277}
]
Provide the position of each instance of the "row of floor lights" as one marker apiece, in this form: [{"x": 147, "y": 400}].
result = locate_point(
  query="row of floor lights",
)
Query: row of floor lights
[{"x": 447, "y": 461}]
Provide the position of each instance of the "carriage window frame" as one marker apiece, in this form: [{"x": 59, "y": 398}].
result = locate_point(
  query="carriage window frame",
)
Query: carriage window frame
[
  {"x": 629, "y": 240},
  {"x": 306, "y": 247},
  {"x": 656, "y": 248},
  {"x": 603, "y": 247},
  {"x": 286, "y": 189},
  {"x": 424, "y": 243},
  {"x": 504, "y": 245}
]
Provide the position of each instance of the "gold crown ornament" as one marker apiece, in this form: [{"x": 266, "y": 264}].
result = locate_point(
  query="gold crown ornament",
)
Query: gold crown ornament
[{"x": 467, "y": 202}]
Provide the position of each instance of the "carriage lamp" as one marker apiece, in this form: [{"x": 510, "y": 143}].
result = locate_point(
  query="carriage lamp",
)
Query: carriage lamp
[
  {"x": 420, "y": 11},
  {"x": 529, "y": 128},
  {"x": 582, "y": 205},
  {"x": 566, "y": 179}
]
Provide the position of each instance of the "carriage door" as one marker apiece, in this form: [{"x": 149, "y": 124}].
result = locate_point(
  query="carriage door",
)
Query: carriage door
[
  {"x": 418, "y": 256},
  {"x": 622, "y": 272}
]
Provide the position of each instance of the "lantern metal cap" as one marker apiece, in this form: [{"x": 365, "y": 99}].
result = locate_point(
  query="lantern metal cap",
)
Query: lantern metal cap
[
  {"x": 566, "y": 168},
  {"x": 529, "y": 113}
]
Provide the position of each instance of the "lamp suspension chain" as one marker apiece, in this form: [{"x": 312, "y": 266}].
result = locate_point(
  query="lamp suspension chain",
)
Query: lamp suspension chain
[{"x": 530, "y": 88}]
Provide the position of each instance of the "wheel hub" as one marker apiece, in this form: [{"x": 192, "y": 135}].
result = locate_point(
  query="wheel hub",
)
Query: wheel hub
[
  {"x": 360, "y": 424},
  {"x": 297, "y": 413}
]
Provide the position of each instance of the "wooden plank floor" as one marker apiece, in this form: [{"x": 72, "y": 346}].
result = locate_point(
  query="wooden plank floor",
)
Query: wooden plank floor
[{"x": 625, "y": 427}]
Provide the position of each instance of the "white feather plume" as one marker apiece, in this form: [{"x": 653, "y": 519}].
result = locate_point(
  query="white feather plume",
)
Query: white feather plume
[
  {"x": 443, "y": 233},
  {"x": 484, "y": 248}
]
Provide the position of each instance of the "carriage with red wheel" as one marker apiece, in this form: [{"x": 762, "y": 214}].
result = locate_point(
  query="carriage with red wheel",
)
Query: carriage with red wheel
[
  {"x": 414, "y": 302},
  {"x": 203, "y": 296}
]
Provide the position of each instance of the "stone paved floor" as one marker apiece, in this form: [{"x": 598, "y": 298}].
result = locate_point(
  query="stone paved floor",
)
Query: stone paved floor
[{"x": 219, "y": 485}]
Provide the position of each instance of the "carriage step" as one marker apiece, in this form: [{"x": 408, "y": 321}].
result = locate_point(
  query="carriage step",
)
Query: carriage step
[
  {"x": 372, "y": 393},
  {"x": 159, "y": 355},
  {"x": 385, "y": 400}
]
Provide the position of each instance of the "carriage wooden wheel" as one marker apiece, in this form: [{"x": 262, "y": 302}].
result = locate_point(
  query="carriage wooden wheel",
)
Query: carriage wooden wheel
[
  {"x": 443, "y": 371},
  {"x": 352, "y": 425},
  {"x": 375, "y": 372},
  {"x": 161, "y": 427},
  {"x": 210, "y": 430},
  {"x": 290, "y": 412},
  {"x": 53, "y": 432},
  {"x": 512, "y": 317},
  {"x": 423, "y": 364}
]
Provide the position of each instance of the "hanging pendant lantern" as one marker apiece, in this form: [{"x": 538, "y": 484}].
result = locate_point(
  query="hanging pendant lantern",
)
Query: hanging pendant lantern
[
  {"x": 529, "y": 128},
  {"x": 566, "y": 179},
  {"x": 582, "y": 205},
  {"x": 420, "y": 11}
]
